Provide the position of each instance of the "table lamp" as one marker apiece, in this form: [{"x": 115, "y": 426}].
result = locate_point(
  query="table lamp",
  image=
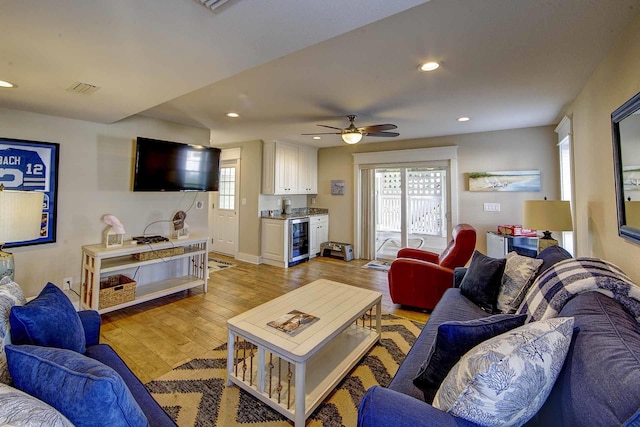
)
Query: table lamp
[
  {"x": 20, "y": 220},
  {"x": 547, "y": 215}
]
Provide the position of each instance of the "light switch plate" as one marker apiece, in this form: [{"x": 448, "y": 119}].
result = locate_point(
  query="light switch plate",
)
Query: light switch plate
[{"x": 492, "y": 207}]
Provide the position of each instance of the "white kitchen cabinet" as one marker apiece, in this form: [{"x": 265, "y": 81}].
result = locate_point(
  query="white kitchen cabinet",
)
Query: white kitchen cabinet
[
  {"x": 289, "y": 169},
  {"x": 318, "y": 232},
  {"x": 274, "y": 242},
  {"x": 307, "y": 170}
]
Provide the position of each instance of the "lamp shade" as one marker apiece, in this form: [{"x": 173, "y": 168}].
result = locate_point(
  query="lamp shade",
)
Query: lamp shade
[
  {"x": 632, "y": 213},
  {"x": 20, "y": 215},
  {"x": 553, "y": 215},
  {"x": 352, "y": 137}
]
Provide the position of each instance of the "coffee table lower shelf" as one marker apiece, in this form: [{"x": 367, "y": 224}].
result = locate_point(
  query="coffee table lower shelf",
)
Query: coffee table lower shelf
[{"x": 275, "y": 383}]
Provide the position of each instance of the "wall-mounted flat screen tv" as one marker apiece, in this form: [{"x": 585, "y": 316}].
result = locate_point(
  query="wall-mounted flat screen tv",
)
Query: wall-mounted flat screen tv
[{"x": 171, "y": 166}]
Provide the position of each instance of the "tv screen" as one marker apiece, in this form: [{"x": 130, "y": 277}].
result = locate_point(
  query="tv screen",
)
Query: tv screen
[{"x": 171, "y": 166}]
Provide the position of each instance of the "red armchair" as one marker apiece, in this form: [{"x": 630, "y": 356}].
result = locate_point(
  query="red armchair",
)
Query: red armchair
[{"x": 418, "y": 278}]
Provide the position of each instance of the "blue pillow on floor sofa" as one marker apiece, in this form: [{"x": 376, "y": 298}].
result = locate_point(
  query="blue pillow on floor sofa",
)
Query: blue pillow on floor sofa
[
  {"x": 87, "y": 392},
  {"x": 453, "y": 340},
  {"x": 50, "y": 320}
]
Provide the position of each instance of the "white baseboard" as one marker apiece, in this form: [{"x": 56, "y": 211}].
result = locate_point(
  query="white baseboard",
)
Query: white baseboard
[{"x": 253, "y": 259}]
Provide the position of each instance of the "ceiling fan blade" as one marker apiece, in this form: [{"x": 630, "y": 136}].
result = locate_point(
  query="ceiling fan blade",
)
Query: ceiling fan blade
[
  {"x": 377, "y": 128},
  {"x": 330, "y": 127},
  {"x": 322, "y": 133},
  {"x": 385, "y": 134}
]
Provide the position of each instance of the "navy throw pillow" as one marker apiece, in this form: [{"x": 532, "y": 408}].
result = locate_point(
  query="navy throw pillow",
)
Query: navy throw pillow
[
  {"x": 551, "y": 255},
  {"x": 453, "y": 340},
  {"x": 87, "y": 392},
  {"x": 482, "y": 281},
  {"x": 50, "y": 320}
]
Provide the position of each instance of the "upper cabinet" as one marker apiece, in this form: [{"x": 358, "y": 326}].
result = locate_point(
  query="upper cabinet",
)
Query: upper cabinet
[
  {"x": 289, "y": 169},
  {"x": 307, "y": 170}
]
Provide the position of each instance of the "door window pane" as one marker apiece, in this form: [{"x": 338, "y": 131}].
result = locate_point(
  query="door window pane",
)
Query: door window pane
[{"x": 227, "y": 188}]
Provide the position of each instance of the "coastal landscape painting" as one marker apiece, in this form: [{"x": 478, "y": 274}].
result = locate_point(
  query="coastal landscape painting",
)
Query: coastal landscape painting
[
  {"x": 631, "y": 178},
  {"x": 527, "y": 180}
]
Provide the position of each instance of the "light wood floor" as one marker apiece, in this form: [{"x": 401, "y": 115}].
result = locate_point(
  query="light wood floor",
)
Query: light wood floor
[{"x": 157, "y": 336}]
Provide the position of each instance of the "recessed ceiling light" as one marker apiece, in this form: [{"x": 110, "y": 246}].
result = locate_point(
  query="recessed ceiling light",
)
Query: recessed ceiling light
[
  {"x": 317, "y": 137},
  {"x": 7, "y": 84},
  {"x": 234, "y": 115},
  {"x": 463, "y": 119},
  {"x": 429, "y": 66}
]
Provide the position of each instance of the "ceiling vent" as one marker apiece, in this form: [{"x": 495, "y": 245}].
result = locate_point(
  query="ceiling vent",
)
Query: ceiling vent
[
  {"x": 83, "y": 88},
  {"x": 213, "y": 4}
]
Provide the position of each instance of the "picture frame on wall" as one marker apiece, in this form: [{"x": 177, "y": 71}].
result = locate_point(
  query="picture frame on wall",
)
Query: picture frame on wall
[
  {"x": 32, "y": 166},
  {"x": 524, "y": 180},
  {"x": 337, "y": 187}
]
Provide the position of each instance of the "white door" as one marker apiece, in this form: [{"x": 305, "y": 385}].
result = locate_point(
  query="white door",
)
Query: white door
[{"x": 225, "y": 210}]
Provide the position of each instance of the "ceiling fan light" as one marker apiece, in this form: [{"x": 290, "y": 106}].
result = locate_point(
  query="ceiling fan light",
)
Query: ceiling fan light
[
  {"x": 352, "y": 137},
  {"x": 4, "y": 83}
]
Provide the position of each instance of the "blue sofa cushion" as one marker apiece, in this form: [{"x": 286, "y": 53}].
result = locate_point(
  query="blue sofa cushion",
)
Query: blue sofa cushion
[
  {"x": 452, "y": 306},
  {"x": 91, "y": 322},
  {"x": 600, "y": 382},
  {"x": 453, "y": 340},
  {"x": 381, "y": 407},
  {"x": 84, "y": 390},
  {"x": 50, "y": 320},
  {"x": 550, "y": 256},
  {"x": 152, "y": 410},
  {"x": 482, "y": 281}
]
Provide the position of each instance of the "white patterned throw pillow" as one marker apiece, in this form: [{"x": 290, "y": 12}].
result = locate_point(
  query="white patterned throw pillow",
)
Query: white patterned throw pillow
[
  {"x": 505, "y": 380},
  {"x": 519, "y": 273},
  {"x": 10, "y": 294},
  {"x": 20, "y": 409}
]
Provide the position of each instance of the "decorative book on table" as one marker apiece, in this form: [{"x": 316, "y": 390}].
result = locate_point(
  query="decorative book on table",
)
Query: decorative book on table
[{"x": 293, "y": 322}]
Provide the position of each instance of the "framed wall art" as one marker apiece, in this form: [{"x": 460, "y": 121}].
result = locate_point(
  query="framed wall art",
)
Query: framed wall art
[
  {"x": 337, "y": 187},
  {"x": 32, "y": 166},
  {"x": 527, "y": 180}
]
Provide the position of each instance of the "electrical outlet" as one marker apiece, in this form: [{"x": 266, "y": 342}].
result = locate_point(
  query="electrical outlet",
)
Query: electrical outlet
[{"x": 67, "y": 282}]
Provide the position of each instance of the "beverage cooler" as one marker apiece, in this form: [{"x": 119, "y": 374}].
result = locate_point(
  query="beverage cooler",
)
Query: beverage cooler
[{"x": 298, "y": 240}]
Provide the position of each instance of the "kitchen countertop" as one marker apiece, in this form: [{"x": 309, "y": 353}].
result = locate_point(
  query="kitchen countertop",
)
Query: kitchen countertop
[{"x": 295, "y": 213}]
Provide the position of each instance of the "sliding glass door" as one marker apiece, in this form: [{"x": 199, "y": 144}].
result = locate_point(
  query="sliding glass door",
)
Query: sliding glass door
[{"x": 410, "y": 209}]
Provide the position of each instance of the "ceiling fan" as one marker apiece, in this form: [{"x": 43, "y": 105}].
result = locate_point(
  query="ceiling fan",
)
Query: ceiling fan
[{"x": 353, "y": 134}]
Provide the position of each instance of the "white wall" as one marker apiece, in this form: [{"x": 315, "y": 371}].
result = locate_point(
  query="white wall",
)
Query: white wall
[{"x": 95, "y": 179}]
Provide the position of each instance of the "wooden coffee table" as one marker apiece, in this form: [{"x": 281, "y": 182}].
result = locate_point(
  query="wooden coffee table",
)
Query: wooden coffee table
[{"x": 294, "y": 374}]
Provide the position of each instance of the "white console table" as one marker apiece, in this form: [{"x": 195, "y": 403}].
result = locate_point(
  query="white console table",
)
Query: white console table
[{"x": 156, "y": 277}]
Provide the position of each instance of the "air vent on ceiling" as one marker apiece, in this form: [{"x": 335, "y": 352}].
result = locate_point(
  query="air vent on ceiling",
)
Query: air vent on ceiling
[
  {"x": 213, "y": 4},
  {"x": 83, "y": 88}
]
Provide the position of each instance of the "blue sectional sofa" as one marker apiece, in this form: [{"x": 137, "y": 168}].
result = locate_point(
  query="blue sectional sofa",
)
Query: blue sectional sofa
[
  {"x": 55, "y": 356},
  {"x": 598, "y": 385}
]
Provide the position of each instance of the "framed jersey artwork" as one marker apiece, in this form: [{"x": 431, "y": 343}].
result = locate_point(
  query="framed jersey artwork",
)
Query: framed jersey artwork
[{"x": 32, "y": 166}]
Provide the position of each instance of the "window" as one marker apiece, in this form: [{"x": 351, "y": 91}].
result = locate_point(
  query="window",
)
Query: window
[{"x": 227, "y": 188}]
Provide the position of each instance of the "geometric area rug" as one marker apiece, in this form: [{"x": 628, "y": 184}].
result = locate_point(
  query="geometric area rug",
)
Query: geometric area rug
[
  {"x": 217, "y": 265},
  {"x": 196, "y": 394}
]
